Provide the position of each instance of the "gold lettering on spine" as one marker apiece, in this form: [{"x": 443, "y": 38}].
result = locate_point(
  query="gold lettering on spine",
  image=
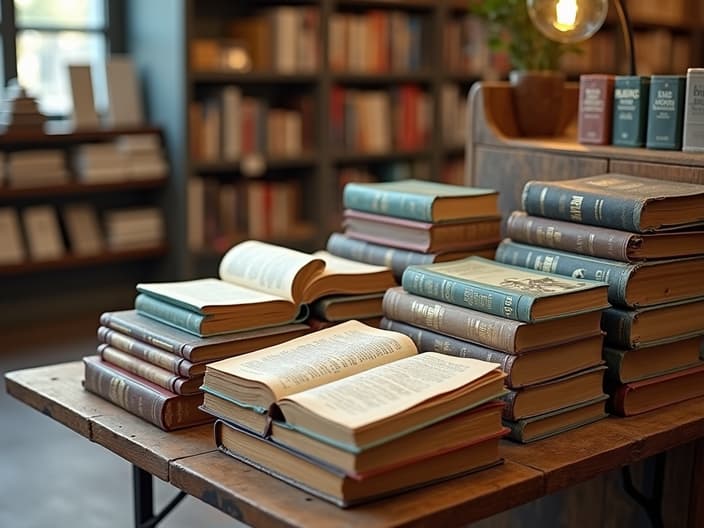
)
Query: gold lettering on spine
[
  {"x": 576, "y": 208},
  {"x": 543, "y": 194}
]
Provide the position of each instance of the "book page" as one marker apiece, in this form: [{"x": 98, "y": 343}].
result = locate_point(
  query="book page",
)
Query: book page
[
  {"x": 267, "y": 267},
  {"x": 390, "y": 389},
  {"x": 319, "y": 357},
  {"x": 341, "y": 266}
]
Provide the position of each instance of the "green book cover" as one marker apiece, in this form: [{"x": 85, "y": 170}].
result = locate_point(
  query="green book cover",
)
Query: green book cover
[
  {"x": 630, "y": 110},
  {"x": 665, "y": 112}
]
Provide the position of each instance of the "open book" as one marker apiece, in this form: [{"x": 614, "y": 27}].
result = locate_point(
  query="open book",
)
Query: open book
[{"x": 259, "y": 285}]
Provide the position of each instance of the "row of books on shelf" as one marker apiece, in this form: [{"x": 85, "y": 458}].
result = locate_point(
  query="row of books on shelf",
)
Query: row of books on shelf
[
  {"x": 466, "y": 50},
  {"x": 129, "y": 157},
  {"x": 350, "y": 412},
  {"x": 229, "y": 125},
  {"x": 658, "y": 112},
  {"x": 39, "y": 233}
]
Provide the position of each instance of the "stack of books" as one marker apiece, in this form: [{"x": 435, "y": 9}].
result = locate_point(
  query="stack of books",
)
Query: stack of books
[
  {"x": 399, "y": 223},
  {"x": 350, "y": 414},
  {"x": 542, "y": 329},
  {"x": 644, "y": 238},
  {"x": 33, "y": 168}
]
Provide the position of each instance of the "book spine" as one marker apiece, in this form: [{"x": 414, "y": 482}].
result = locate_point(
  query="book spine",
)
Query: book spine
[
  {"x": 516, "y": 428},
  {"x": 397, "y": 259},
  {"x": 693, "y": 132},
  {"x": 144, "y": 351},
  {"x": 412, "y": 206},
  {"x": 125, "y": 393},
  {"x": 494, "y": 332},
  {"x": 509, "y": 400},
  {"x": 615, "y": 274},
  {"x": 566, "y": 236},
  {"x": 665, "y": 112},
  {"x": 618, "y": 400},
  {"x": 614, "y": 360},
  {"x": 468, "y": 294},
  {"x": 169, "y": 314},
  {"x": 553, "y": 201},
  {"x": 142, "y": 334},
  {"x": 618, "y": 325},
  {"x": 594, "y": 116},
  {"x": 427, "y": 341},
  {"x": 630, "y": 110}
]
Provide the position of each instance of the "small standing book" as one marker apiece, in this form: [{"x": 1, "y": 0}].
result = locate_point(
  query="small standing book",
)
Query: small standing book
[
  {"x": 629, "y": 203},
  {"x": 507, "y": 291},
  {"x": 595, "y": 103},
  {"x": 421, "y": 200},
  {"x": 665, "y": 112},
  {"x": 630, "y": 110},
  {"x": 693, "y": 131}
]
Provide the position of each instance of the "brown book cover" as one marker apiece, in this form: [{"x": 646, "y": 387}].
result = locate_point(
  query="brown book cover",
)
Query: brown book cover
[
  {"x": 602, "y": 242},
  {"x": 596, "y": 93},
  {"x": 653, "y": 393},
  {"x": 424, "y": 237},
  {"x": 193, "y": 348},
  {"x": 157, "y": 375},
  {"x": 151, "y": 354},
  {"x": 506, "y": 335},
  {"x": 156, "y": 405},
  {"x": 554, "y": 394}
]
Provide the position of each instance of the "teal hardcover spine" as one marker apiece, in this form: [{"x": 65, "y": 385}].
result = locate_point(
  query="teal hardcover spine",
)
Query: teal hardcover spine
[
  {"x": 615, "y": 274},
  {"x": 169, "y": 314},
  {"x": 665, "y": 112},
  {"x": 630, "y": 110},
  {"x": 693, "y": 133},
  {"x": 386, "y": 202},
  {"x": 470, "y": 294}
]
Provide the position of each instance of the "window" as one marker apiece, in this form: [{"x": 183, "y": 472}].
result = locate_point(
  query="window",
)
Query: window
[{"x": 40, "y": 38}]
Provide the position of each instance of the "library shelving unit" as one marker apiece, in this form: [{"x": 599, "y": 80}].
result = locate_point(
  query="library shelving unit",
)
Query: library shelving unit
[{"x": 75, "y": 282}]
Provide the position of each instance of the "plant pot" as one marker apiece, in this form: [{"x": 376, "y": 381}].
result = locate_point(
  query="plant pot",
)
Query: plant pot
[{"x": 537, "y": 101}]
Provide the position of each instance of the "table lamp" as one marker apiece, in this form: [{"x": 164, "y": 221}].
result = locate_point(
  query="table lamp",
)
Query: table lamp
[{"x": 571, "y": 21}]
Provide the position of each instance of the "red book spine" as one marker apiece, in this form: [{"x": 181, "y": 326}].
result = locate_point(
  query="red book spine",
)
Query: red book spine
[{"x": 596, "y": 93}]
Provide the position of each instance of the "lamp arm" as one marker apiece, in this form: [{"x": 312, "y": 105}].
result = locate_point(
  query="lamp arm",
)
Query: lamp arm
[{"x": 627, "y": 32}]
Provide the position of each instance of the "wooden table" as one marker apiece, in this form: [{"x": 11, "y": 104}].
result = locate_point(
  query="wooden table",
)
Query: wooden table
[{"x": 188, "y": 460}]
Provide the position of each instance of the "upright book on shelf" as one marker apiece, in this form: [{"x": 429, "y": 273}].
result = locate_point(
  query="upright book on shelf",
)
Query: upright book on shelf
[
  {"x": 630, "y": 109},
  {"x": 665, "y": 112},
  {"x": 693, "y": 131},
  {"x": 595, "y": 104}
]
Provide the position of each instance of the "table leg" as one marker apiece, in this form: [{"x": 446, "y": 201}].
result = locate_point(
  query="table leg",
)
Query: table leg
[
  {"x": 143, "y": 495},
  {"x": 652, "y": 504}
]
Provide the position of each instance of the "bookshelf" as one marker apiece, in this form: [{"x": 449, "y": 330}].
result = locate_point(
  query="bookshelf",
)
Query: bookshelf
[{"x": 45, "y": 176}]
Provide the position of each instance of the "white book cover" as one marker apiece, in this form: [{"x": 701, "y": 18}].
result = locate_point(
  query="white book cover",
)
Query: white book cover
[
  {"x": 44, "y": 238},
  {"x": 83, "y": 114},
  {"x": 124, "y": 95},
  {"x": 83, "y": 229},
  {"x": 12, "y": 249}
]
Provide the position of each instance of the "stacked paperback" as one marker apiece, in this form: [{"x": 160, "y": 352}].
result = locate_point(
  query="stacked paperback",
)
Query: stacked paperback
[
  {"x": 643, "y": 238},
  {"x": 349, "y": 413},
  {"x": 543, "y": 330},
  {"x": 405, "y": 222}
]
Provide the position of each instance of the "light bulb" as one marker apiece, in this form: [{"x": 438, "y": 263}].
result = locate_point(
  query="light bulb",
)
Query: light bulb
[{"x": 568, "y": 20}]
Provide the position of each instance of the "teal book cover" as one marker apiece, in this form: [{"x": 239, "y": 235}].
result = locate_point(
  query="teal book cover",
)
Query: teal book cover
[
  {"x": 665, "y": 112},
  {"x": 630, "y": 110}
]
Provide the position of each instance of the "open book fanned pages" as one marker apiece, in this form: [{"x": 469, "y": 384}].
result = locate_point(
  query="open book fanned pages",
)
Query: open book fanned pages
[
  {"x": 259, "y": 285},
  {"x": 352, "y": 412}
]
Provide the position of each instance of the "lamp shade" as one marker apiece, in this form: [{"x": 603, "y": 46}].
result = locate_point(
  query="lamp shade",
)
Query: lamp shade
[{"x": 568, "y": 20}]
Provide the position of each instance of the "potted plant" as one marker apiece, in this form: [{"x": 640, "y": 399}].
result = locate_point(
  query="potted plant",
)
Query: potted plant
[{"x": 538, "y": 84}]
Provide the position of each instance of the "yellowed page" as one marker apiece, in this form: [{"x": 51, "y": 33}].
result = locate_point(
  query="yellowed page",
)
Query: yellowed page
[
  {"x": 266, "y": 267},
  {"x": 319, "y": 357},
  {"x": 337, "y": 265},
  {"x": 390, "y": 389}
]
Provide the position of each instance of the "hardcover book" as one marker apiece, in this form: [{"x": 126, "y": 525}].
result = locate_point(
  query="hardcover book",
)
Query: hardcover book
[
  {"x": 156, "y": 405},
  {"x": 554, "y": 394},
  {"x": 644, "y": 283},
  {"x": 507, "y": 291},
  {"x": 421, "y": 200},
  {"x": 397, "y": 259},
  {"x": 260, "y": 285},
  {"x": 602, "y": 242},
  {"x": 665, "y": 112},
  {"x": 196, "y": 349},
  {"x": 351, "y": 385},
  {"x": 653, "y": 324},
  {"x": 493, "y": 331},
  {"x": 630, "y": 109},
  {"x": 693, "y": 131},
  {"x": 618, "y": 201},
  {"x": 654, "y": 393},
  {"x": 530, "y": 368},
  {"x": 555, "y": 422},
  {"x": 345, "y": 307},
  {"x": 422, "y": 237},
  {"x": 650, "y": 360},
  {"x": 595, "y": 104}
]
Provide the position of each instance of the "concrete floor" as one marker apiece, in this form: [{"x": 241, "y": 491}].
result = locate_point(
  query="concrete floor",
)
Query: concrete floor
[{"x": 53, "y": 477}]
